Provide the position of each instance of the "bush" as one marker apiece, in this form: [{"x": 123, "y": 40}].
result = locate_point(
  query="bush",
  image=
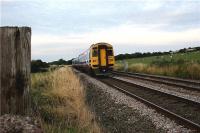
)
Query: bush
[
  {"x": 61, "y": 62},
  {"x": 39, "y": 66}
]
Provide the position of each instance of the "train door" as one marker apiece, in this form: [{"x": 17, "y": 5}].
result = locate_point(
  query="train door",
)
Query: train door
[{"x": 103, "y": 57}]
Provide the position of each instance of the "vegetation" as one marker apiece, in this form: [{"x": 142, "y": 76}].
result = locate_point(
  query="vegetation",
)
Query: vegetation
[
  {"x": 61, "y": 62},
  {"x": 58, "y": 98},
  {"x": 148, "y": 54},
  {"x": 39, "y": 66},
  {"x": 180, "y": 64}
]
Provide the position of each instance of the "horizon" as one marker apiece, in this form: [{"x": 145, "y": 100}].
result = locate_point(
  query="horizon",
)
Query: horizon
[
  {"x": 64, "y": 29},
  {"x": 123, "y": 54}
]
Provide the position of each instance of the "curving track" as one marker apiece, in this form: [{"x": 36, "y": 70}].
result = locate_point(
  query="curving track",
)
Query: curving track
[{"x": 183, "y": 111}]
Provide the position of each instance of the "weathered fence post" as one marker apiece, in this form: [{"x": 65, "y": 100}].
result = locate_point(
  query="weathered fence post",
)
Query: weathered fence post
[{"x": 15, "y": 58}]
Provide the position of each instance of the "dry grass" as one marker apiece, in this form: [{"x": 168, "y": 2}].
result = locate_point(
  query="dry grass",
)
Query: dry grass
[
  {"x": 187, "y": 70},
  {"x": 119, "y": 66},
  {"x": 59, "y": 99}
]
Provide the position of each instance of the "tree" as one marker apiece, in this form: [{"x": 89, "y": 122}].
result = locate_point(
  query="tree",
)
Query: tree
[
  {"x": 38, "y": 66},
  {"x": 61, "y": 62}
]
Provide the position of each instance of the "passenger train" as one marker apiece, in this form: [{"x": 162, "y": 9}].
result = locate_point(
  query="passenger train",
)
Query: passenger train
[{"x": 98, "y": 59}]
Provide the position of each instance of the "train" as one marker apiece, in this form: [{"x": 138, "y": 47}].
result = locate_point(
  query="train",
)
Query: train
[{"x": 97, "y": 60}]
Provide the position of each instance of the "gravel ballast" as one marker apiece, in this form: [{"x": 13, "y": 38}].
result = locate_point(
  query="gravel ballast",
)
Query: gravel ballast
[
  {"x": 120, "y": 113},
  {"x": 188, "y": 94},
  {"x": 19, "y": 124}
]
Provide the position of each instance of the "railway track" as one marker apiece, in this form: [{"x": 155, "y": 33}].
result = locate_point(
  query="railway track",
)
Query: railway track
[
  {"x": 193, "y": 85},
  {"x": 183, "y": 111}
]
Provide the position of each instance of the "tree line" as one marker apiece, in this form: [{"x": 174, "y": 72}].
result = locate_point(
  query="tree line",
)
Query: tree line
[
  {"x": 41, "y": 66},
  {"x": 148, "y": 54}
]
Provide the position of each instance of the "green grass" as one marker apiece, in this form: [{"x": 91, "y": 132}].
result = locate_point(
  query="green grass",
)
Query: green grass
[
  {"x": 187, "y": 57},
  {"x": 183, "y": 65}
]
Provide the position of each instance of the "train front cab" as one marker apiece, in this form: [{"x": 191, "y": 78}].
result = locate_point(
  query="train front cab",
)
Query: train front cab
[{"x": 102, "y": 58}]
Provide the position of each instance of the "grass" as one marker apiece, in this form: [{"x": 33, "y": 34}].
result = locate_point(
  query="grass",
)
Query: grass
[
  {"x": 183, "y": 65},
  {"x": 58, "y": 100}
]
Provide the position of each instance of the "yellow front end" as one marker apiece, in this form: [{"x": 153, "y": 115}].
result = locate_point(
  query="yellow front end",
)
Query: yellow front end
[{"x": 101, "y": 58}]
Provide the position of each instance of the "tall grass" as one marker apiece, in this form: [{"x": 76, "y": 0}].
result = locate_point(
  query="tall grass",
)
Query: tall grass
[
  {"x": 59, "y": 102},
  {"x": 183, "y": 65},
  {"x": 182, "y": 70}
]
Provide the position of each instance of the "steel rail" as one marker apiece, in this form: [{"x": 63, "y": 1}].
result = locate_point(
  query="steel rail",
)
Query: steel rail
[
  {"x": 155, "y": 90},
  {"x": 179, "y": 119},
  {"x": 159, "y": 79}
]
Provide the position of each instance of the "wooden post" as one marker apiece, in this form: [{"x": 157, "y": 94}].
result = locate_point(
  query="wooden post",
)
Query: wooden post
[{"x": 15, "y": 58}]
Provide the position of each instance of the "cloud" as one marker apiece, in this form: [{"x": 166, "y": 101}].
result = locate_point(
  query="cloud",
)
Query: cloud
[
  {"x": 123, "y": 34},
  {"x": 62, "y": 17},
  {"x": 64, "y": 28},
  {"x": 125, "y": 37}
]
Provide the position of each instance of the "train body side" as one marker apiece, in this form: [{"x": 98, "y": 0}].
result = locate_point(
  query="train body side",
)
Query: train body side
[{"x": 98, "y": 59}]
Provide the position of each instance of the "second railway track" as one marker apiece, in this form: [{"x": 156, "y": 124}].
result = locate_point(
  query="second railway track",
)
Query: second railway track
[
  {"x": 184, "y": 111},
  {"x": 176, "y": 82}
]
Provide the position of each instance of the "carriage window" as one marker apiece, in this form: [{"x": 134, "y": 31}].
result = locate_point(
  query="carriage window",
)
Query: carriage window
[
  {"x": 110, "y": 52},
  {"x": 94, "y": 52}
]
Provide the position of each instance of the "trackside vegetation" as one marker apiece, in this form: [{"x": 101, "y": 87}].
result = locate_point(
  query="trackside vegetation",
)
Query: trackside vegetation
[
  {"x": 58, "y": 101},
  {"x": 41, "y": 66},
  {"x": 185, "y": 64},
  {"x": 149, "y": 54}
]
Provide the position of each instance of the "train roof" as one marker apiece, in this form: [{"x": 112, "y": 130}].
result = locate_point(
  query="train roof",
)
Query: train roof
[
  {"x": 101, "y": 43},
  {"x": 93, "y": 45}
]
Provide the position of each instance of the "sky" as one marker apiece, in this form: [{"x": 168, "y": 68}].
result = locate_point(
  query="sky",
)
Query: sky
[{"x": 65, "y": 28}]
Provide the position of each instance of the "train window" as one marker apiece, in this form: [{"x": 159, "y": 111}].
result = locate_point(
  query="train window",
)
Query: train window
[
  {"x": 94, "y": 52},
  {"x": 110, "y": 52}
]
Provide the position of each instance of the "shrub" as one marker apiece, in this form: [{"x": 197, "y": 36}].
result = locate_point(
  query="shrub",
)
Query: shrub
[{"x": 39, "y": 66}]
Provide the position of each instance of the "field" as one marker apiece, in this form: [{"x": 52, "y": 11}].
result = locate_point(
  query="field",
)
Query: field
[
  {"x": 58, "y": 100},
  {"x": 183, "y": 65}
]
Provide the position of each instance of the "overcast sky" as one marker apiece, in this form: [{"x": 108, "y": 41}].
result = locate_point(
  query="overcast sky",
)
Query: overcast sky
[{"x": 65, "y": 28}]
